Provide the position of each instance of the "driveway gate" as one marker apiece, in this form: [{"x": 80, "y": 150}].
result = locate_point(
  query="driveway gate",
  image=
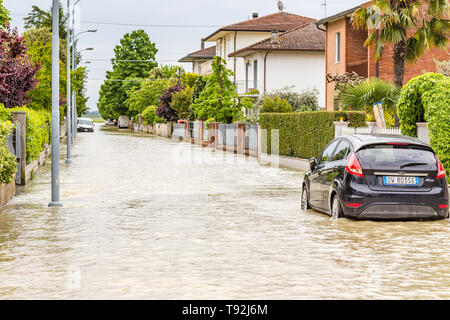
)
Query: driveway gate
[{"x": 13, "y": 142}]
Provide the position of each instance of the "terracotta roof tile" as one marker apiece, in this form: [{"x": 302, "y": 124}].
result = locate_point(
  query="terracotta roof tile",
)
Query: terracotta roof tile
[
  {"x": 207, "y": 53},
  {"x": 282, "y": 21},
  {"x": 304, "y": 38}
]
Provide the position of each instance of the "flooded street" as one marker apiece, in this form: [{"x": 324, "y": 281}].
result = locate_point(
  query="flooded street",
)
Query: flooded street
[{"x": 148, "y": 218}]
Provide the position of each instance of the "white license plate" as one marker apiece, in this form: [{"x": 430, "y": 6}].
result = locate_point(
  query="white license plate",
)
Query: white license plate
[{"x": 397, "y": 180}]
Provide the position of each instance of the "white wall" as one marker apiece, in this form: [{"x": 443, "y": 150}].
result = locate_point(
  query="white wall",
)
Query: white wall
[
  {"x": 303, "y": 70},
  {"x": 225, "y": 46}
]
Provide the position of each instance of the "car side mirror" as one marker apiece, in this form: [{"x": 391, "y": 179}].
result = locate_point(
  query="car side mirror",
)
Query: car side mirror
[{"x": 312, "y": 163}]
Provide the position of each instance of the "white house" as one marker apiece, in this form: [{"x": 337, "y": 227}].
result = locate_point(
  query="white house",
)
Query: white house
[
  {"x": 293, "y": 58},
  {"x": 201, "y": 60},
  {"x": 235, "y": 37}
]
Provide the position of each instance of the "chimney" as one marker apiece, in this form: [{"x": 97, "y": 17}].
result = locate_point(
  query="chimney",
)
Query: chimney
[
  {"x": 255, "y": 15},
  {"x": 202, "y": 44},
  {"x": 275, "y": 34}
]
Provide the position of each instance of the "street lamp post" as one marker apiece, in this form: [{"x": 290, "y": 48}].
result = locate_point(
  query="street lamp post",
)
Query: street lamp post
[
  {"x": 55, "y": 201},
  {"x": 68, "y": 120}
]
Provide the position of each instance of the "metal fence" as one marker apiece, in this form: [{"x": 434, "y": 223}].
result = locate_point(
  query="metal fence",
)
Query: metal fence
[
  {"x": 231, "y": 135},
  {"x": 205, "y": 132},
  {"x": 195, "y": 131},
  {"x": 178, "y": 130},
  {"x": 13, "y": 142},
  {"x": 251, "y": 137},
  {"x": 374, "y": 130}
]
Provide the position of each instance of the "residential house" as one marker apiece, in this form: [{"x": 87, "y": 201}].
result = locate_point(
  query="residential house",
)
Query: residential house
[
  {"x": 235, "y": 37},
  {"x": 201, "y": 60},
  {"x": 345, "y": 52},
  {"x": 292, "y": 58}
]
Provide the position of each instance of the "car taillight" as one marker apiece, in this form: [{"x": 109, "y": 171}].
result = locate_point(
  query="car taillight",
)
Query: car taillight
[
  {"x": 441, "y": 170},
  {"x": 353, "y": 205},
  {"x": 443, "y": 206},
  {"x": 353, "y": 167}
]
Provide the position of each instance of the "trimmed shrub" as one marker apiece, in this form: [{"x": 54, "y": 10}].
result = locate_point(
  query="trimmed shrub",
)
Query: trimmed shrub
[
  {"x": 275, "y": 104},
  {"x": 37, "y": 129},
  {"x": 8, "y": 165},
  {"x": 410, "y": 107},
  {"x": 437, "y": 114},
  {"x": 149, "y": 114},
  {"x": 427, "y": 98},
  {"x": 304, "y": 134}
]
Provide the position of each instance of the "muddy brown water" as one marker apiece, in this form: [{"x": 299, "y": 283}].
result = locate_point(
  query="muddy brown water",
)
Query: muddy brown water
[{"x": 148, "y": 218}]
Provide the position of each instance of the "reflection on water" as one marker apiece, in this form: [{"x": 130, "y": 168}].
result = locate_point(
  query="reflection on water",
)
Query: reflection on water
[{"x": 144, "y": 217}]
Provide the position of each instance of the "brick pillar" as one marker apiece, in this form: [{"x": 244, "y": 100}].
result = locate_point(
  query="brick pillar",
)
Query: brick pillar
[
  {"x": 186, "y": 131},
  {"x": 200, "y": 132},
  {"x": 213, "y": 134},
  {"x": 240, "y": 148},
  {"x": 21, "y": 116}
]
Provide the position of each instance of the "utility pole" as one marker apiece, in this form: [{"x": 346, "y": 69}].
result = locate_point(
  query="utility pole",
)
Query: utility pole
[
  {"x": 68, "y": 120},
  {"x": 55, "y": 107}
]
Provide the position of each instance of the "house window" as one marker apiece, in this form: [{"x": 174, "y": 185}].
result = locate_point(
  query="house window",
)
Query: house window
[
  {"x": 338, "y": 47},
  {"x": 255, "y": 74},
  {"x": 247, "y": 66}
]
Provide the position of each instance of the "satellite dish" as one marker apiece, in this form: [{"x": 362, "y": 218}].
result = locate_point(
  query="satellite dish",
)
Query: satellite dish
[{"x": 280, "y": 6}]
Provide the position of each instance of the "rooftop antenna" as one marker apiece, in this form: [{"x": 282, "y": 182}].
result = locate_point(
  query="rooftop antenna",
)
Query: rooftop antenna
[
  {"x": 324, "y": 5},
  {"x": 280, "y": 6}
]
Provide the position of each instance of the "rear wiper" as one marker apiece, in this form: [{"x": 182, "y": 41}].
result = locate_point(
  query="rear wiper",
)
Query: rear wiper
[{"x": 410, "y": 164}]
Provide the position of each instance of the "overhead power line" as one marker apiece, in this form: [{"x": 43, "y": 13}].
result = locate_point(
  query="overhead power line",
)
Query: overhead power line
[{"x": 135, "y": 24}]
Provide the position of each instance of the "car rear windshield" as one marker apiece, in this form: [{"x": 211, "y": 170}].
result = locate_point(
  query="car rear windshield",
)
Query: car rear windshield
[{"x": 391, "y": 154}]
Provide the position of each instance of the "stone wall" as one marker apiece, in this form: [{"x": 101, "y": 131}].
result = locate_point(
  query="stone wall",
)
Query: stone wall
[{"x": 7, "y": 192}]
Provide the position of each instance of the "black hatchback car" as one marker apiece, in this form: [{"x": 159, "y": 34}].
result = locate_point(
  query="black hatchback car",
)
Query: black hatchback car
[{"x": 365, "y": 176}]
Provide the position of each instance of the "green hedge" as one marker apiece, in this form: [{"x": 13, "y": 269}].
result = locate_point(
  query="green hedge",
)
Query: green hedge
[
  {"x": 305, "y": 134},
  {"x": 8, "y": 165},
  {"x": 38, "y": 126},
  {"x": 427, "y": 98},
  {"x": 410, "y": 106}
]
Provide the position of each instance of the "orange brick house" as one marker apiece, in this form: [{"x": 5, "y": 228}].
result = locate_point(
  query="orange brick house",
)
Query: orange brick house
[{"x": 345, "y": 52}]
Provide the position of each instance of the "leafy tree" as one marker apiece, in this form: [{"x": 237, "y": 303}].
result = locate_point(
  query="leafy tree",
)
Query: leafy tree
[
  {"x": 146, "y": 95},
  {"x": 275, "y": 104},
  {"x": 17, "y": 71},
  {"x": 125, "y": 74},
  {"x": 44, "y": 35},
  {"x": 78, "y": 82},
  {"x": 218, "y": 99},
  {"x": 181, "y": 102},
  {"x": 164, "y": 110},
  {"x": 39, "y": 18},
  {"x": 149, "y": 114},
  {"x": 189, "y": 79},
  {"x": 412, "y": 26},
  {"x": 40, "y": 51},
  {"x": 198, "y": 87},
  {"x": 4, "y": 15},
  {"x": 167, "y": 72}
]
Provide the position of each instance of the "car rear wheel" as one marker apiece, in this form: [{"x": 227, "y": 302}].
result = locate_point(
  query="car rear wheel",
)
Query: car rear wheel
[
  {"x": 336, "y": 210},
  {"x": 305, "y": 203}
]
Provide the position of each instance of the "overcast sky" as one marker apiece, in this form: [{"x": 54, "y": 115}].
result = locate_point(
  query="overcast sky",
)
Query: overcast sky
[{"x": 172, "y": 42}]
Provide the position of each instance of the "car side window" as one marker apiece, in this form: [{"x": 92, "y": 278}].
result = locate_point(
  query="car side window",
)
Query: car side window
[
  {"x": 328, "y": 152},
  {"x": 342, "y": 150}
]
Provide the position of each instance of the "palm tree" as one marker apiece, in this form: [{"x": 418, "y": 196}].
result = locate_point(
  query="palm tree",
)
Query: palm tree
[{"x": 412, "y": 26}]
